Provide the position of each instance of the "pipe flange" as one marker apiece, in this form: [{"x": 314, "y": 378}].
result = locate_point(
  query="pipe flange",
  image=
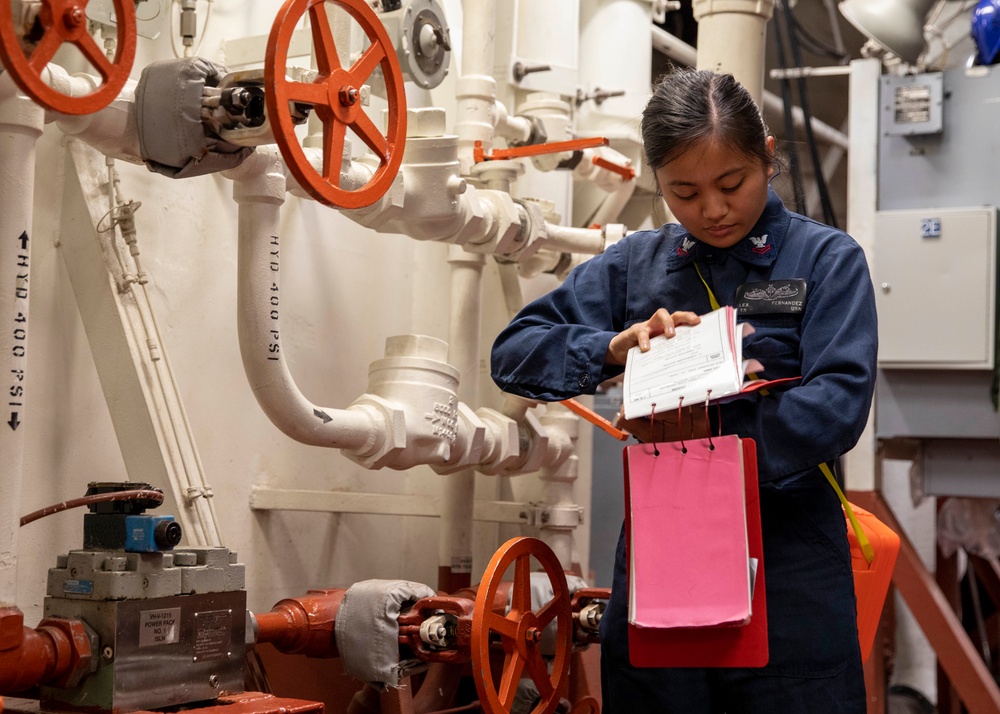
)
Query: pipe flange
[
  {"x": 703, "y": 8},
  {"x": 471, "y": 440},
  {"x": 505, "y": 451},
  {"x": 75, "y": 644},
  {"x": 507, "y": 228},
  {"x": 422, "y": 41},
  {"x": 11, "y": 628},
  {"x": 561, "y": 518},
  {"x": 395, "y": 432}
]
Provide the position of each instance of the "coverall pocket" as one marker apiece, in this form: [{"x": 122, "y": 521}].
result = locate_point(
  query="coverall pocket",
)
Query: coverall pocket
[{"x": 774, "y": 336}]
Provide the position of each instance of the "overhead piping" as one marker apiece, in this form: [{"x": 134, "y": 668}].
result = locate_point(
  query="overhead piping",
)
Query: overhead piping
[{"x": 684, "y": 53}]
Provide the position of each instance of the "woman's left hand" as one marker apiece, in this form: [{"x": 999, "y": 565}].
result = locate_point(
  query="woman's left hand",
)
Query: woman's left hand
[{"x": 661, "y": 323}]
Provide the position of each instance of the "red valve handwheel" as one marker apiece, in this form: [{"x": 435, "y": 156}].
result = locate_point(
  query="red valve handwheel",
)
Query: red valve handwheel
[
  {"x": 335, "y": 97},
  {"x": 521, "y": 628},
  {"x": 64, "y": 21}
]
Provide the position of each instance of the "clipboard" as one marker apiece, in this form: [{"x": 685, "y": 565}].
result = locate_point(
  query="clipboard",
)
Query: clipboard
[{"x": 727, "y": 646}]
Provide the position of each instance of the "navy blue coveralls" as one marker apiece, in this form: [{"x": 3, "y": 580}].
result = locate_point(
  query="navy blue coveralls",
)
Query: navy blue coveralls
[{"x": 555, "y": 349}]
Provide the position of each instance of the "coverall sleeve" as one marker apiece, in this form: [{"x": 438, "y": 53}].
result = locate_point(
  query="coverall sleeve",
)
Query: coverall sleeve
[
  {"x": 823, "y": 416},
  {"x": 555, "y": 347}
]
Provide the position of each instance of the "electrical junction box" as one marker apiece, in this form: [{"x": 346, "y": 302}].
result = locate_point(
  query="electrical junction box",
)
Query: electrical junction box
[
  {"x": 912, "y": 104},
  {"x": 935, "y": 287}
]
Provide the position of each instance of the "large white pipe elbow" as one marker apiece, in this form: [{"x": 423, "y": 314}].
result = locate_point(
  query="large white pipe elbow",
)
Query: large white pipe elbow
[
  {"x": 260, "y": 197},
  {"x": 516, "y": 129},
  {"x": 113, "y": 130}
]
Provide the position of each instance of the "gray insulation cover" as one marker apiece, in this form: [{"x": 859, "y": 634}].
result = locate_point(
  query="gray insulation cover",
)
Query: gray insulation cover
[
  {"x": 367, "y": 629},
  {"x": 172, "y": 136}
]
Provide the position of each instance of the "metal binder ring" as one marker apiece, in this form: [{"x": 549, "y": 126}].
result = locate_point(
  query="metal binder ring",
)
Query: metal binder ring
[
  {"x": 680, "y": 424},
  {"x": 652, "y": 428},
  {"x": 708, "y": 423}
]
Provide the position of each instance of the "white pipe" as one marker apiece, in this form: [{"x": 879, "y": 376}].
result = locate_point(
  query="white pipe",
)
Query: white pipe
[
  {"x": 731, "y": 39},
  {"x": 684, "y": 53},
  {"x": 459, "y": 489},
  {"x": 558, "y": 479},
  {"x": 113, "y": 130},
  {"x": 21, "y": 123},
  {"x": 476, "y": 89},
  {"x": 674, "y": 47},
  {"x": 615, "y": 55},
  {"x": 612, "y": 206},
  {"x": 567, "y": 239},
  {"x": 801, "y": 72},
  {"x": 258, "y": 319},
  {"x": 513, "y": 128}
]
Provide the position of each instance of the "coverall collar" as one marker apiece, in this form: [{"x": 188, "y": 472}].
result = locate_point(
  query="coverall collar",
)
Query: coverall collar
[{"x": 758, "y": 249}]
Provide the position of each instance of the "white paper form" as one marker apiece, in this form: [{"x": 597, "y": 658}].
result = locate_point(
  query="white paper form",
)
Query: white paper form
[{"x": 698, "y": 359}]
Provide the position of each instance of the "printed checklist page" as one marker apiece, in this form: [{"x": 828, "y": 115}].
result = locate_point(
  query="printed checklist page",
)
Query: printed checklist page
[{"x": 699, "y": 361}]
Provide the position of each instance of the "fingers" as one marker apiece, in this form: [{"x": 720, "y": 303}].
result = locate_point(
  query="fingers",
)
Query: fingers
[
  {"x": 662, "y": 322},
  {"x": 684, "y": 317}
]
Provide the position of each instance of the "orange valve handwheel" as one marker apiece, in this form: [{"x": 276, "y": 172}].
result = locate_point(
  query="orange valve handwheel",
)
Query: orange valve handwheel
[
  {"x": 335, "y": 96},
  {"x": 59, "y": 22},
  {"x": 520, "y": 630}
]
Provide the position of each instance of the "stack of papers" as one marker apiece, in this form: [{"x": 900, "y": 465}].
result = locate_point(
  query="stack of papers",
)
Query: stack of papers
[{"x": 702, "y": 362}]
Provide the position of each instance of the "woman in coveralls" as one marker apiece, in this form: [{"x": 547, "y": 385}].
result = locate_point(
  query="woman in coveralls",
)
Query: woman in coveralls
[{"x": 806, "y": 290}]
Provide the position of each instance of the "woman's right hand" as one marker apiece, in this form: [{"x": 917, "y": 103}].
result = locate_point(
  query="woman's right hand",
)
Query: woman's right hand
[{"x": 661, "y": 323}]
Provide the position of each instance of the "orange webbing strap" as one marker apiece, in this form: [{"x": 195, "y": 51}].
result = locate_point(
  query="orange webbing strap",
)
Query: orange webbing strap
[
  {"x": 595, "y": 419},
  {"x": 866, "y": 546}
]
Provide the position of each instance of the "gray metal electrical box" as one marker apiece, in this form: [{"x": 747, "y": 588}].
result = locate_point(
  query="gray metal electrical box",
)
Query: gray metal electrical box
[
  {"x": 935, "y": 287},
  {"x": 912, "y": 104}
]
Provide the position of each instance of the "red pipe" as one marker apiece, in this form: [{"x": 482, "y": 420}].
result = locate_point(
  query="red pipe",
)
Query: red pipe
[
  {"x": 303, "y": 625},
  {"x": 29, "y": 657}
]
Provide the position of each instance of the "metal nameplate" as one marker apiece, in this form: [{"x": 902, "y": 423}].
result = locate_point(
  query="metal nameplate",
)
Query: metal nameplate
[{"x": 771, "y": 297}]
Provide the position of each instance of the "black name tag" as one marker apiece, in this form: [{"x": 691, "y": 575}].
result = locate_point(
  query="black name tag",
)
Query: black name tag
[{"x": 772, "y": 297}]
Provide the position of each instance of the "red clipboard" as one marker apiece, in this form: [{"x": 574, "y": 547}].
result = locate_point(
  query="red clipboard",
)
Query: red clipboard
[{"x": 744, "y": 646}]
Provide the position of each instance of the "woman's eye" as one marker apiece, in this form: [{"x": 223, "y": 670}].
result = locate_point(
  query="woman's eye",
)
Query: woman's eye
[
  {"x": 685, "y": 198},
  {"x": 730, "y": 189}
]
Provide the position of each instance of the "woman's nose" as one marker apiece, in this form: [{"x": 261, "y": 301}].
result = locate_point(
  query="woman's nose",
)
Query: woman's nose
[{"x": 714, "y": 207}]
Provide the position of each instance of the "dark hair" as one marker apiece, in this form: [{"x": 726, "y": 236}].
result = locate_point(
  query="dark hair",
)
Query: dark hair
[{"x": 690, "y": 105}]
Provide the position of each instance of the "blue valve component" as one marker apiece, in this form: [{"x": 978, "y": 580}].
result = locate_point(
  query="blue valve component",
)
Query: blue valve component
[{"x": 151, "y": 534}]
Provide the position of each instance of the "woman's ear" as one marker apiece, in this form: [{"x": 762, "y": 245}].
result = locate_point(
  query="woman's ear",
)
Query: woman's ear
[{"x": 769, "y": 143}]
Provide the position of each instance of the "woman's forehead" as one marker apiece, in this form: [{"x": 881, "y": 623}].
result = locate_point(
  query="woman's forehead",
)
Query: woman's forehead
[{"x": 709, "y": 157}]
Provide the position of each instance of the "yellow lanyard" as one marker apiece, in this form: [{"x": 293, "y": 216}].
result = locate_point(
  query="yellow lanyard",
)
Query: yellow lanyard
[
  {"x": 715, "y": 306},
  {"x": 866, "y": 546},
  {"x": 711, "y": 296}
]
